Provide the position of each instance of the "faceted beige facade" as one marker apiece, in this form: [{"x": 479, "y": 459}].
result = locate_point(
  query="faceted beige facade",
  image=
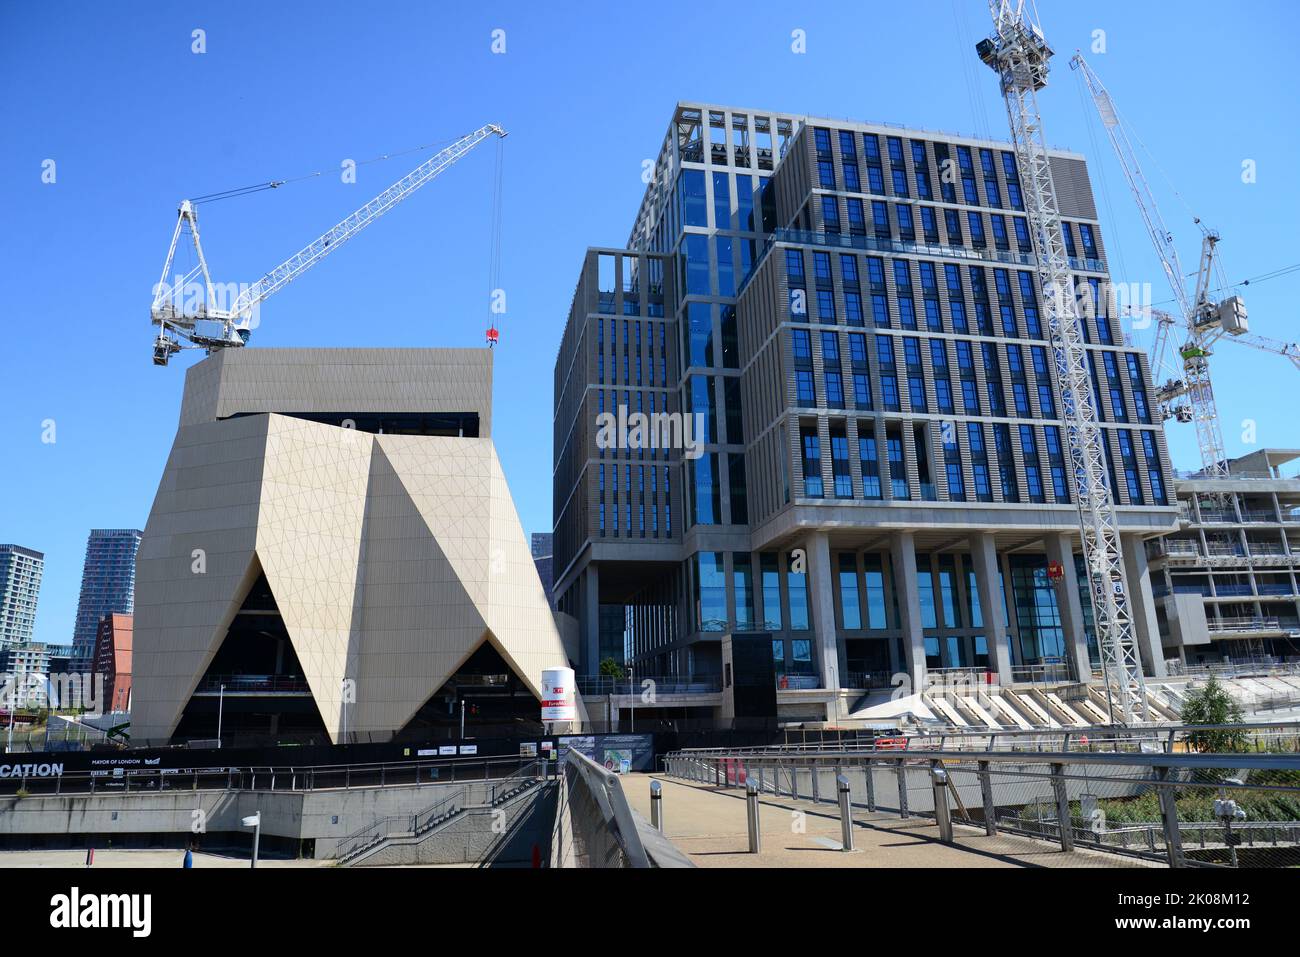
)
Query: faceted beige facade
[{"x": 391, "y": 557}]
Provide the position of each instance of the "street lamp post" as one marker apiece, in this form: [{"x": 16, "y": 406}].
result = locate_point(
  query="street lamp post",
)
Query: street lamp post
[
  {"x": 631, "y": 679},
  {"x": 221, "y": 707}
]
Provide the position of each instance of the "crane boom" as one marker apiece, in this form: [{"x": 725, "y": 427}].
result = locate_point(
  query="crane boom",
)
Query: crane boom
[
  {"x": 1019, "y": 54},
  {"x": 178, "y": 326}
]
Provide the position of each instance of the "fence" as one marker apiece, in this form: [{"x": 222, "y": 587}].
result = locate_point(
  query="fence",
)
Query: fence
[
  {"x": 1183, "y": 810},
  {"x": 448, "y": 806},
  {"x": 36, "y": 779},
  {"x": 594, "y": 826}
]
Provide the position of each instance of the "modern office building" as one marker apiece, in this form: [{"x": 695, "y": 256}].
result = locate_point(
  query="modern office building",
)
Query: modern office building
[
  {"x": 542, "y": 549},
  {"x": 333, "y": 553},
  {"x": 113, "y": 661},
  {"x": 880, "y": 478},
  {"x": 20, "y": 587},
  {"x": 1226, "y": 581},
  {"x": 107, "y": 587}
]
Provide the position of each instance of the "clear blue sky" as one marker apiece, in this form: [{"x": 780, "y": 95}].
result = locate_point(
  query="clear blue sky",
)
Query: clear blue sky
[{"x": 135, "y": 122}]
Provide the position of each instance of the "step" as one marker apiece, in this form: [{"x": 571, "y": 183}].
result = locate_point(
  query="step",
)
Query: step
[{"x": 1009, "y": 715}]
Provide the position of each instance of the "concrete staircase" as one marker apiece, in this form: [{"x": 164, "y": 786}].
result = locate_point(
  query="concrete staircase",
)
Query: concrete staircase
[{"x": 388, "y": 842}]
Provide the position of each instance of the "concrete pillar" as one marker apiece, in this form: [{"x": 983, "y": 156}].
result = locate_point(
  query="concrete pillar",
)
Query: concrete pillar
[
  {"x": 902, "y": 550},
  {"x": 591, "y": 619},
  {"x": 1142, "y": 606},
  {"x": 1060, "y": 548},
  {"x": 822, "y": 595},
  {"x": 984, "y": 558}
]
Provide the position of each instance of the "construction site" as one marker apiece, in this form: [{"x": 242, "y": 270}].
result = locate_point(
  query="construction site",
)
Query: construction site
[{"x": 908, "y": 556}]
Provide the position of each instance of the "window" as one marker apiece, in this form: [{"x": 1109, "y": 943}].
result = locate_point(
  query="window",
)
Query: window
[
  {"x": 710, "y": 592},
  {"x": 952, "y": 463},
  {"x": 915, "y": 373},
  {"x": 880, "y": 218},
  {"x": 771, "y": 584},
  {"x": 870, "y": 462},
  {"x": 812, "y": 462},
  {"x": 1043, "y": 377},
  {"x": 942, "y": 380},
  {"x": 888, "y": 373},
  {"x": 1056, "y": 462},
  {"x": 1006, "y": 462},
  {"x": 840, "y": 473},
  {"x": 1154, "y": 476},
  {"x": 830, "y": 214},
  {"x": 897, "y": 466},
  {"x": 979, "y": 462},
  {"x": 831, "y": 371},
  {"x": 850, "y": 609},
  {"x": 797, "y": 588},
  {"x": 1033, "y": 472}
]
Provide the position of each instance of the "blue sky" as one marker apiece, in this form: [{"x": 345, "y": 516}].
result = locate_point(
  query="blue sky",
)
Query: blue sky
[{"x": 135, "y": 121}]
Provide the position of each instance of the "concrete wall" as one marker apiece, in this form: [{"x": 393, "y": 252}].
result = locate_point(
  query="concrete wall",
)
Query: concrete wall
[{"x": 326, "y": 817}]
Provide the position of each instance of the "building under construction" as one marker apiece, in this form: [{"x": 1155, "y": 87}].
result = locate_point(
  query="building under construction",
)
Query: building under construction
[{"x": 883, "y": 482}]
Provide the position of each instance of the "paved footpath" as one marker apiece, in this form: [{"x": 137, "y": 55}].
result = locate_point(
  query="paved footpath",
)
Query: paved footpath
[{"x": 708, "y": 824}]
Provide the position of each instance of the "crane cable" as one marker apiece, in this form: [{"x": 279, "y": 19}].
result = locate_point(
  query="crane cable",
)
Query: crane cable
[
  {"x": 277, "y": 183},
  {"x": 494, "y": 247}
]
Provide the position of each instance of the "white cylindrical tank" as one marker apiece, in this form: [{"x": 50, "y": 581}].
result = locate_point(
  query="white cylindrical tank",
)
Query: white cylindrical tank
[{"x": 558, "y": 695}]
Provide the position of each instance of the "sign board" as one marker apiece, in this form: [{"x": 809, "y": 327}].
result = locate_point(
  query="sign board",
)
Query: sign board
[{"x": 559, "y": 702}]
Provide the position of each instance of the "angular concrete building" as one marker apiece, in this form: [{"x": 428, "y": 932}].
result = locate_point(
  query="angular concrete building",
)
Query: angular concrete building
[{"x": 333, "y": 552}]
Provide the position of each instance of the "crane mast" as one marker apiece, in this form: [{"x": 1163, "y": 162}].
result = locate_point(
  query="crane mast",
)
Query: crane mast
[
  {"x": 1018, "y": 53},
  {"x": 179, "y": 324}
]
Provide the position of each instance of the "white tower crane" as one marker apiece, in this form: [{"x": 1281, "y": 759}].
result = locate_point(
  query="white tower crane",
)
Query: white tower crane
[
  {"x": 1019, "y": 54},
  {"x": 230, "y": 326},
  {"x": 1204, "y": 320}
]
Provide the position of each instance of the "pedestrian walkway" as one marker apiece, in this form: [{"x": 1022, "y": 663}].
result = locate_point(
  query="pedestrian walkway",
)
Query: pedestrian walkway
[{"x": 708, "y": 824}]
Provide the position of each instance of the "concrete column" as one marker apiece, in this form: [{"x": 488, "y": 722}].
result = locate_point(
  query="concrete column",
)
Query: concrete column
[
  {"x": 822, "y": 595},
  {"x": 1142, "y": 606},
  {"x": 1060, "y": 548},
  {"x": 902, "y": 550},
  {"x": 984, "y": 557},
  {"x": 591, "y": 619}
]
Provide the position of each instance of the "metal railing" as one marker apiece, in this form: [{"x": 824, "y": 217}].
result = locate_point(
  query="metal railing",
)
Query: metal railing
[
  {"x": 594, "y": 826},
  {"x": 464, "y": 798},
  {"x": 244, "y": 684},
  {"x": 661, "y": 684},
  {"x": 1168, "y": 808},
  {"x": 314, "y": 777},
  {"x": 1248, "y": 623}
]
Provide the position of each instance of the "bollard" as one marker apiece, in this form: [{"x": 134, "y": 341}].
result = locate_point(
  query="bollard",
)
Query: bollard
[
  {"x": 657, "y": 806},
  {"x": 846, "y": 814},
  {"x": 1064, "y": 824},
  {"x": 939, "y": 779},
  {"x": 986, "y": 794},
  {"x": 751, "y": 815}
]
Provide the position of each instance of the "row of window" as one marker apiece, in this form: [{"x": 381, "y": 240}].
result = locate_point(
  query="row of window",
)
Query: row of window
[
  {"x": 932, "y": 360},
  {"x": 951, "y": 167},
  {"x": 965, "y": 450},
  {"x": 904, "y": 292},
  {"x": 620, "y": 360},
  {"x": 630, "y": 510}
]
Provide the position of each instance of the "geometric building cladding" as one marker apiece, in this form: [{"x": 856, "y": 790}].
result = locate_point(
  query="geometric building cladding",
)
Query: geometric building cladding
[
  {"x": 332, "y": 519},
  {"x": 852, "y": 310}
]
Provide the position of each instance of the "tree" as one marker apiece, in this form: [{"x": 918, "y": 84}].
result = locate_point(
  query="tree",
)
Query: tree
[
  {"x": 609, "y": 668},
  {"x": 1211, "y": 704}
]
